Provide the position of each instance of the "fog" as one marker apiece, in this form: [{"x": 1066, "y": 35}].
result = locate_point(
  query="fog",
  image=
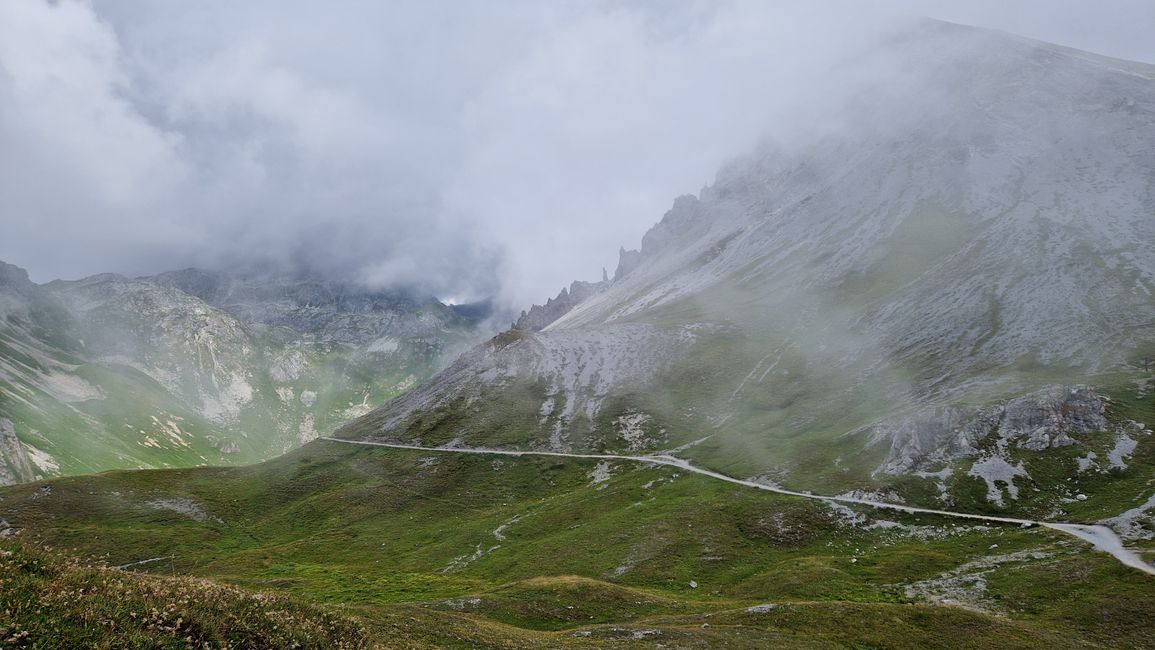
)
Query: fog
[{"x": 470, "y": 149}]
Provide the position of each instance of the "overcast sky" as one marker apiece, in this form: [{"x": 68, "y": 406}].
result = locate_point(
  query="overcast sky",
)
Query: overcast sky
[{"x": 479, "y": 148}]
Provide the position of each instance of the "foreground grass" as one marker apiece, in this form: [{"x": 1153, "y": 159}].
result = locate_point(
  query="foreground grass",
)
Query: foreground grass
[{"x": 49, "y": 600}]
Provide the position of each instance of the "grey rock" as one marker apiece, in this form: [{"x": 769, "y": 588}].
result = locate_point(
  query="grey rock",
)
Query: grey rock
[
  {"x": 317, "y": 308},
  {"x": 627, "y": 262},
  {"x": 576, "y": 369},
  {"x": 1038, "y": 421},
  {"x": 540, "y": 316},
  {"x": 15, "y": 466},
  {"x": 13, "y": 278}
]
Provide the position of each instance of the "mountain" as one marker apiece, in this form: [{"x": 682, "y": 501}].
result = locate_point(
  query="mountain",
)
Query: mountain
[
  {"x": 865, "y": 310},
  {"x": 195, "y": 367},
  {"x": 939, "y": 298}
]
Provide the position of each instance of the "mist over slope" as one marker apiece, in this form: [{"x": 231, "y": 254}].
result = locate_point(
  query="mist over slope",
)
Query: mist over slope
[
  {"x": 194, "y": 367},
  {"x": 995, "y": 204},
  {"x": 838, "y": 306}
]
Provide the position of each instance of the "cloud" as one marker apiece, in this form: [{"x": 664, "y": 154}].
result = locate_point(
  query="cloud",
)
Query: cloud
[
  {"x": 472, "y": 147},
  {"x": 585, "y": 141},
  {"x": 77, "y": 155}
]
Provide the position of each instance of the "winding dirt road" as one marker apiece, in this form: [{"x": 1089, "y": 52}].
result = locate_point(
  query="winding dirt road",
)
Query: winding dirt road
[{"x": 1101, "y": 537}]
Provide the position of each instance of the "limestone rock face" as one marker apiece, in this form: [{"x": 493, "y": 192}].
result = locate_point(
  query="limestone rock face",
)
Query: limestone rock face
[
  {"x": 1038, "y": 421},
  {"x": 15, "y": 279},
  {"x": 540, "y": 316},
  {"x": 1045, "y": 419},
  {"x": 627, "y": 261},
  {"x": 15, "y": 467},
  {"x": 572, "y": 372}
]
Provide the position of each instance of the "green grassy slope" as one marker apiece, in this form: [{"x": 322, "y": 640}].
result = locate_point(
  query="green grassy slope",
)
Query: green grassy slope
[
  {"x": 486, "y": 551},
  {"x": 82, "y": 415},
  {"x": 803, "y": 424},
  {"x": 50, "y": 600}
]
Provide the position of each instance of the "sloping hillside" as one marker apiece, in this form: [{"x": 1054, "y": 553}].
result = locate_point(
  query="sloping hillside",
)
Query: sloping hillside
[
  {"x": 192, "y": 368},
  {"x": 853, "y": 311}
]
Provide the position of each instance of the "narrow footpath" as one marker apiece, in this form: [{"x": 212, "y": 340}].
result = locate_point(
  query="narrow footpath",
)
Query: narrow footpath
[{"x": 1101, "y": 537}]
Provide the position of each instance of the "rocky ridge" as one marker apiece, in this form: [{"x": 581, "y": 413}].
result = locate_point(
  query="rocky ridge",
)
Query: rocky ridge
[
  {"x": 540, "y": 316},
  {"x": 1036, "y": 422}
]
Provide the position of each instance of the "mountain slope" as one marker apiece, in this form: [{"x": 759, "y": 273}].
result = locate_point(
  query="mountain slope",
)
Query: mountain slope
[
  {"x": 974, "y": 231},
  {"x": 193, "y": 367}
]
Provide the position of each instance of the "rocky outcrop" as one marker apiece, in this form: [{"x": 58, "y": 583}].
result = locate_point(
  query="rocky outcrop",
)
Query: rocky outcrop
[
  {"x": 201, "y": 354},
  {"x": 26, "y": 305},
  {"x": 15, "y": 290},
  {"x": 15, "y": 466},
  {"x": 539, "y": 316},
  {"x": 575, "y": 370},
  {"x": 1038, "y": 421},
  {"x": 627, "y": 262},
  {"x": 13, "y": 278}
]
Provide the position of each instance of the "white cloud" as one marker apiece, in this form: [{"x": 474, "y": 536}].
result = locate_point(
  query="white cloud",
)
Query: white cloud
[
  {"x": 77, "y": 154},
  {"x": 470, "y": 145}
]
